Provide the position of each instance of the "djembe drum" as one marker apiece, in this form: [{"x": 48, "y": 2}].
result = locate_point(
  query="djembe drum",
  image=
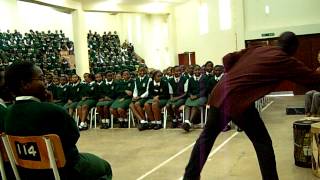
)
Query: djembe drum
[
  {"x": 302, "y": 143},
  {"x": 315, "y": 134}
]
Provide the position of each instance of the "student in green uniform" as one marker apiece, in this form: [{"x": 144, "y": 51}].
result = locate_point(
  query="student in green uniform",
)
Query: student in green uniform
[
  {"x": 74, "y": 94},
  {"x": 88, "y": 100},
  {"x": 62, "y": 92},
  {"x": 188, "y": 73},
  {"x": 106, "y": 95},
  {"x": 3, "y": 107},
  {"x": 158, "y": 95},
  {"x": 177, "y": 96},
  {"x": 197, "y": 97},
  {"x": 30, "y": 116},
  {"x": 124, "y": 91},
  {"x": 140, "y": 94}
]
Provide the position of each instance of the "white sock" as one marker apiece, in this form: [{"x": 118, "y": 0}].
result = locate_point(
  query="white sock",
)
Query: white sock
[
  {"x": 120, "y": 119},
  {"x": 103, "y": 121},
  {"x": 125, "y": 120},
  {"x": 153, "y": 122},
  {"x": 107, "y": 121},
  {"x": 188, "y": 122},
  {"x": 174, "y": 120},
  {"x": 81, "y": 123},
  {"x": 158, "y": 122},
  {"x": 143, "y": 121}
]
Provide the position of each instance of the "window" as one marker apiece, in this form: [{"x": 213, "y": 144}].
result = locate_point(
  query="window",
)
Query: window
[
  {"x": 225, "y": 14},
  {"x": 203, "y": 18}
]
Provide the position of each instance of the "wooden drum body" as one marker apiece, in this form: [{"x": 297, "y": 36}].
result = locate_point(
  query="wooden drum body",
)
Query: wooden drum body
[
  {"x": 315, "y": 134},
  {"x": 302, "y": 143}
]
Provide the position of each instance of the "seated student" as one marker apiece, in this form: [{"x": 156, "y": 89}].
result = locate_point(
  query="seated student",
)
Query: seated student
[
  {"x": 30, "y": 116},
  {"x": 178, "y": 96},
  {"x": 3, "y": 106},
  {"x": 88, "y": 100},
  {"x": 106, "y": 94},
  {"x": 197, "y": 97},
  {"x": 74, "y": 94},
  {"x": 124, "y": 89},
  {"x": 140, "y": 94},
  {"x": 62, "y": 92},
  {"x": 158, "y": 95},
  {"x": 188, "y": 71},
  {"x": 312, "y": 103}
]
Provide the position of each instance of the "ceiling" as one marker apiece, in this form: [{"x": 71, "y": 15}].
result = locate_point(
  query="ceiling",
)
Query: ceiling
[{"x": 135, "y": 2}]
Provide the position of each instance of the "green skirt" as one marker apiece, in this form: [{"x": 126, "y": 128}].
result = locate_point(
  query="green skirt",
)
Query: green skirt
[
  {"x": 196, "y": 102},
  {"x": 162, "y": 103},
  {"x": 177, "y": 103},
  {"x": 104, "y": 103},
  {"x": 72, "y": 105},
  {"x": 121, "y": 104},
  {"x": 89, "y": 102},
  {"x": 141, "y": 101}
]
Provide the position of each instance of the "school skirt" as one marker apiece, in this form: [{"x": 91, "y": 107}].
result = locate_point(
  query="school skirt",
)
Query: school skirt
[
  {"x": 196, "y": 102},
  {"x": 121, "y": 104},
  {"x": 162, "y": 103},
  {"x": 104, "y": 103}
]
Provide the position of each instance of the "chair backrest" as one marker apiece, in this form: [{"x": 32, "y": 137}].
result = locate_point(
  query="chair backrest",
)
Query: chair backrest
[
  {"x": 36, "y": 152},
  {"x": 3, "y": 158}
]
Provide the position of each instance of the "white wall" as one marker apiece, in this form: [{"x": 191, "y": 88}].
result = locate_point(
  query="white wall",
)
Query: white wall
[
  {"x": 24, "y": 16},
  {"x": 42, "y": 18},
  {"x": 148, "y": 33},
  {"x": 8, "y": 9},
  {"x": 211, "y": 46},
  {"x": 302, "y": 17}
]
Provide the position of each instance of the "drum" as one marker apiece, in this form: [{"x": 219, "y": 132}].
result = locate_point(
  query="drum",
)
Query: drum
[
  {"x": 315, "y": 134},
  {"x": 302, "y": 143}
]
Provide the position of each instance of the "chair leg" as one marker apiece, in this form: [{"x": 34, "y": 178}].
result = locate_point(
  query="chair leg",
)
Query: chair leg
[
  {"x": 95, "y": 118},
  {"x": 165, "y": 117},
  {"x": 202, "y": 123},
  {"x": 111, "y": 121}
]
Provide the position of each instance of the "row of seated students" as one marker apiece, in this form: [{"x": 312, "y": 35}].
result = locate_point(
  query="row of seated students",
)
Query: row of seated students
[{"x": 145, "y": 95}]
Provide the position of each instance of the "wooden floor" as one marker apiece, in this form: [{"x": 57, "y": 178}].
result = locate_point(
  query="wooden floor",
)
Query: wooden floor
[{"x": 163, "y": 154}]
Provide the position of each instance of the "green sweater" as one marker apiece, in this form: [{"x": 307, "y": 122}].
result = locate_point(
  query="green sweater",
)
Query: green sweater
[
  {"x": 122, "y": 86},
  {"x": 3, "y": 111},
  {"x": 32, "y": 118}
]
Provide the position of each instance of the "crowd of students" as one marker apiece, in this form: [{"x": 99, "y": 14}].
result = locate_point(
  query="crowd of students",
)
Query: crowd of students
[
  {"x": 107, "y": 53},
  {"x": 41, "y": 48},
  {"x": 144, "y": 92}
]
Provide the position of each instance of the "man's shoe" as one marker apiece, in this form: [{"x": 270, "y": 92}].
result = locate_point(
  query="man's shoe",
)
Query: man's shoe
[
  {"x": 157, "y": 127},
  {"x": 186, "y": 127},
  {"x": 125, "y": 124}
]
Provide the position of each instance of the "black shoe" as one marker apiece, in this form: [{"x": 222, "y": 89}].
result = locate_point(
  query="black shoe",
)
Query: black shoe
[
  {"x": 83, "y": 128},
  {"x": 174, "y": 125},
  {"x": 125, "y": 124},
  {"x": 143, "y": 126},
  {"x": 157, "y": 126},
  {"x": 121, "y": 124},
  {"x": 151, "y": 126},
  {"x": 103, "y": 126},
  {"x": 186, "y": 127}
]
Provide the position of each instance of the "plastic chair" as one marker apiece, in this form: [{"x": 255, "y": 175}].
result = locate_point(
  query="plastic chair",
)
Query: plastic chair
[{"x": 35, "y": 152}]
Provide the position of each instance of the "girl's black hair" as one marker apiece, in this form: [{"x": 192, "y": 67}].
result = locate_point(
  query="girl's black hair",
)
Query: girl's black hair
[
  {"x": 208, "y": 63},
  {"x": 155, "y": 73},
  {"x": 18, "y": 72}
]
